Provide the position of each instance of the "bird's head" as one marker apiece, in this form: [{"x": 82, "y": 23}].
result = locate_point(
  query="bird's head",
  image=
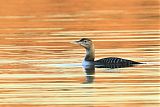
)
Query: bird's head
[{"x": 84, "y": 42}]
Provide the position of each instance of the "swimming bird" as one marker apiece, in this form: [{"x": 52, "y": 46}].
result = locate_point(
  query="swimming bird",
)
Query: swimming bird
[{"x": 110, "y": 62}]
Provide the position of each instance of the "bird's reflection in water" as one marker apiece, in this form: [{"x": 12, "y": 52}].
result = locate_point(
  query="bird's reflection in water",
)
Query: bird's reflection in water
[{"x": 90, "y": 70}]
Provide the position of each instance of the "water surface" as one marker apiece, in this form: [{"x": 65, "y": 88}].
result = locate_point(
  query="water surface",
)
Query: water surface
[{"x": 40, "y": 67}]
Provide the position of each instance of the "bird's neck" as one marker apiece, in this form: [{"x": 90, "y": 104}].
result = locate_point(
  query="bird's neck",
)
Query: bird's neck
[{"x": 90, "y": 54}]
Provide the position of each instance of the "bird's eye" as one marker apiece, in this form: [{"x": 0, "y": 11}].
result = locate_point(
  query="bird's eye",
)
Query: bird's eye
[{"x": 85, "y": 41}]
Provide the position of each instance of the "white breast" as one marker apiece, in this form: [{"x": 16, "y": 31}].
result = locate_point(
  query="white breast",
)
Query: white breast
[{"x": 86, "y": 63}]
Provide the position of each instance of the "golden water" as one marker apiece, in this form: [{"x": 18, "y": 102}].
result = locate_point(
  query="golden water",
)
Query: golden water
[{"x": 40, "y": 67}]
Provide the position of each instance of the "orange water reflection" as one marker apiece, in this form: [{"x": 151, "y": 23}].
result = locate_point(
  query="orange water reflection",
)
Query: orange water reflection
[{"x": 40, "y": 67}]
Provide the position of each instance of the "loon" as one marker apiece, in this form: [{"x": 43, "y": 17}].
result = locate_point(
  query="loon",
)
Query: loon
[{"x": 110, "y": 62}]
